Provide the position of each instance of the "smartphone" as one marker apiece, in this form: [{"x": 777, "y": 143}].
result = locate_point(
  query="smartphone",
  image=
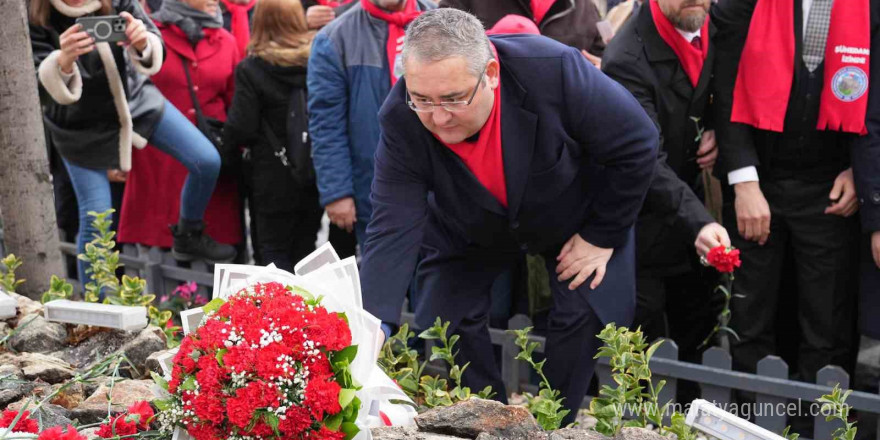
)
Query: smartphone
[{"x": 104, "y": 28}]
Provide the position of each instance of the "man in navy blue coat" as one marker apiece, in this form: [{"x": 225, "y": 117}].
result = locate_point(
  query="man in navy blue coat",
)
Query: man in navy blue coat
[{"x": 485, "y": 157}]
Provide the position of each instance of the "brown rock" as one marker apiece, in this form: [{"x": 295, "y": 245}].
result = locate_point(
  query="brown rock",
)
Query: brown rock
[
  {"x": 38, "y": 366},
  {"x": 471, "y": 418},
  {"x": 124, "y": 394},
  {"x": 407, "y": 433}
]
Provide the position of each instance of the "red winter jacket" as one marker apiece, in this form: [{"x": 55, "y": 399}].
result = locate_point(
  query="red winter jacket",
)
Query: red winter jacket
[{"x": 152, "y": 192}]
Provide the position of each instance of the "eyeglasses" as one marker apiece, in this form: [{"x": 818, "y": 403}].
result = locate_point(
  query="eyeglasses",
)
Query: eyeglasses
[{"x": 426, "y": 106}]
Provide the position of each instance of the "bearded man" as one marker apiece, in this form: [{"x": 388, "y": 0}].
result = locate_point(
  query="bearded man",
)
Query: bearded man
[
  {"x": 493, "y": 148},
  {"x": 663, "y": 56}
]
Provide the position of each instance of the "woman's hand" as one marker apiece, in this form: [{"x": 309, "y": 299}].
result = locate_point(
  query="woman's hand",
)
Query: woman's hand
[
  {"x": 135, "y": 31},
  {"x": 74, "y": 42}
]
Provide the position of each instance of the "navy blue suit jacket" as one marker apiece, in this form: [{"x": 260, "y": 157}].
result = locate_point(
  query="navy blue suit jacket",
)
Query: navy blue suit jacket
[{"x": 579, "y": 153}]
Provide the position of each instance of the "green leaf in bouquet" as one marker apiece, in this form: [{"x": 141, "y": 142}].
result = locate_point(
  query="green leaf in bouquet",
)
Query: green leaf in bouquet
[
  {"x": 159, "y": 380},
  {"x": 345, "y": 356},
  {"x": 219, "y": 356},
  {"x": 272, "y": 420},
  {"x": 305, "y": 294},
  {"x": 350, "y": 413},
  {"x": 163, "y": 405},
  {"x": 213, "y": 305},
  {"x": 350, "y": 430},
  {"x": 343, "y": 316},
  {"x": 189, "y": 384},
  {"x": 346, "y": 395},
  {"x": 333, "y": 422}
]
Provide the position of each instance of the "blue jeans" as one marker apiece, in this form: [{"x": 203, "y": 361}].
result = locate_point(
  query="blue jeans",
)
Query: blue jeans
[{"x": 174, "y": 135}]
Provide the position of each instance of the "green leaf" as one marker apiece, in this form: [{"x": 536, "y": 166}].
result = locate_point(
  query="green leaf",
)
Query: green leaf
[
  {"x": 302, "y": 292},
  {"x": 159, "y": 380},
  {"x": 350, "y": 430},
  {"x": 333, "y": 422},
  {"x": 219, "y": 356},
  {"x": 347, "y": 354},
  {"x": 189, "y": 384},
  {"x": 346, "y": 395},
  {"x": 163, "y": 405},
  {"x": 213, "y": 305},
  {"x": 272, "y": 420}
]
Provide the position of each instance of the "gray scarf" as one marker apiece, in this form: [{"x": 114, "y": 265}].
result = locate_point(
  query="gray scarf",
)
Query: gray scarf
[{"x": 190, "y": 21}]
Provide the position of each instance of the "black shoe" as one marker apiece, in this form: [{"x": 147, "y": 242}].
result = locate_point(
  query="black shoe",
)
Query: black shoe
[{"x": 191, "y": 243}]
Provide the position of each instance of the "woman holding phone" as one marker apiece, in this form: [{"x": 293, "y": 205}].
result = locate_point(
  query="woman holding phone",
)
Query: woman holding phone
[{"x": 98, "y": 103}]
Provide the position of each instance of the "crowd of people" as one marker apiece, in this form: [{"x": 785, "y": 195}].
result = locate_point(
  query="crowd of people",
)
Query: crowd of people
[{"x": 454, "y": 143}]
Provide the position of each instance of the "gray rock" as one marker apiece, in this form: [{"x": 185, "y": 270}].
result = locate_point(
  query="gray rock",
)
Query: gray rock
[
  {"x": 38, "y": 335},
  {"x": 4, "y": 329},
  {"x": 638, "y": 434},
  {"x": 52, "y": 415},
  {"x": 9, "y": 370},
  {"x": 90, "y": 433},
  {"x": 152, "y": 362},
  {"x": 13, "y": 387},
  {"x": 95, "y": 348},
  {"x": 150, "y": 340},
  {"x": 576, "y": 434},
  {"x": 407, "y": 433},
  {"x": 471, "y": 418},
  {"x": 137, "y": 346}
]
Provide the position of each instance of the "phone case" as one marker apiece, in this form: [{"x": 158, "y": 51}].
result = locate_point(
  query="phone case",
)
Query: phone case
[{"x": 106, "y": 28}]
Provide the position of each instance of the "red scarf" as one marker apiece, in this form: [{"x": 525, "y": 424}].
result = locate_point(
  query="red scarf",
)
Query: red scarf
[
  {"x": 333, "y": 3},
  {"x": 483, "y": 157},
  {"x": 240, "y": 26},
  {"x": 540, "y": 8},
  {"x": 397, "y": 21},
  {"x": 690, "y": 57},
  {"x": 766, "y": 69}
]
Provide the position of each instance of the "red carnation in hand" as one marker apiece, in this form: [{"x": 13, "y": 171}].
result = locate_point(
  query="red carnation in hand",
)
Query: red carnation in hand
[
  {"x": 724, "y": 260},
  {"x": 144, "y": 412},
  {"x": 57, "y": 433},
  {"x": 117, "y": 426},
  {"x": 24, "y": 423}
]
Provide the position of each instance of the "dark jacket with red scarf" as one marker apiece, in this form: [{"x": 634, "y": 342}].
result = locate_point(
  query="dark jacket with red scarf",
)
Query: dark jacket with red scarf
[
  {"x": 152, "y": 193},
  {"x": 672, "y": 216},
  {"x": 571, "y": 22},
  {"x": 813, "y": 154}
]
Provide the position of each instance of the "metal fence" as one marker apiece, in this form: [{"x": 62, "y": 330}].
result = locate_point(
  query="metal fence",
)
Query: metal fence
[{"x": 775, "y": 394}]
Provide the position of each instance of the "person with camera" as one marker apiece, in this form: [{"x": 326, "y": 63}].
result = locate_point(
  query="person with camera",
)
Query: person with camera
[
  {"x": 268, "y": 114},
  {"x": 197, "y": 78},
  {"x": 98, "y": 102}
]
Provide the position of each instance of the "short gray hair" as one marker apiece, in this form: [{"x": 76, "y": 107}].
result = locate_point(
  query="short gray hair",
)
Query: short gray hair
[{"x": 445, "y": 33}]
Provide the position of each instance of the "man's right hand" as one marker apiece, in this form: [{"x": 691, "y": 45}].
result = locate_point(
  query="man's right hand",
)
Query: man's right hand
[
  {"x": 752, "y": 212},
  {"x": 342, "y": 213},
  {"x": 318, "y": 16},
  {"x": 74, "y": 42}
]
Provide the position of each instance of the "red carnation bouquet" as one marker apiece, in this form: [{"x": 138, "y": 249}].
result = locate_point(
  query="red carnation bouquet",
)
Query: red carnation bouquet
[{"x": 269, "y": 362}]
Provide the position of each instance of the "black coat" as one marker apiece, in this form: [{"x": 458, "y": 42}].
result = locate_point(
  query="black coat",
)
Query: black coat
[
  {"x": 578, "y": 156},
  {"x": 672, "y": 216},
  {"x": 262, "y": 92},
  {"x": 742, "y": 145},
  {"x": 86, "y": 132},
  {"x": 571, "y": 22}
]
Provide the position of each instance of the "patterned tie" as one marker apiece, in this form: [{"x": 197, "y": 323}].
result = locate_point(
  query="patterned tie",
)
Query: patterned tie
[
  {"x": 817, "y": 33},
  {"x": 697, "y": 43}
]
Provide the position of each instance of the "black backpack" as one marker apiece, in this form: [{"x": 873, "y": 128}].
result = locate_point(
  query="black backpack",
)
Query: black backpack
[{"x": 296, "y": 153}]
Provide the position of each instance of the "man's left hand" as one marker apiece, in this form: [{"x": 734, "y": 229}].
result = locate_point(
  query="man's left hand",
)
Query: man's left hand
[
  {"x": 708, "y": 151},
  {"x": 875, "y": 247},
  {"x": 135, "y": 31},
  {"x": 843, "y": 195},
  {"x": 580, "y": 259}
]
